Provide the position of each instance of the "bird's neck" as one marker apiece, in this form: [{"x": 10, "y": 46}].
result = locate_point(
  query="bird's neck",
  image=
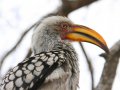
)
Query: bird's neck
[
  {"x": 45, "y": 40},
  {"x": 45, "y": 45}
]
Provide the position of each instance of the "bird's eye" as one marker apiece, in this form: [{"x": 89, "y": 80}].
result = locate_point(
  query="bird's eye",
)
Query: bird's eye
[{"x": 64, "y": 25}]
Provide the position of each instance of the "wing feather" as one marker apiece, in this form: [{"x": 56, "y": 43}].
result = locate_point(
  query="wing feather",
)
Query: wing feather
[{"x": 32, "y": 72}]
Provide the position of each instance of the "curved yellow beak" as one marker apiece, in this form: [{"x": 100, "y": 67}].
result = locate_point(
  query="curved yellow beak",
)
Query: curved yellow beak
[{"x": 84, "y": 34}]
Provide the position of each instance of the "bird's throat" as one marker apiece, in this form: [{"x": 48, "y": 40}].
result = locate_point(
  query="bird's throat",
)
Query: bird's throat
[{"x": 45, "y": 46}]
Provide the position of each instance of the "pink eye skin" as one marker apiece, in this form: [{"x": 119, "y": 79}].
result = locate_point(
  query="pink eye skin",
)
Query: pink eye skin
[
  {"x": 64, "y": 28},
  {"x": 65, "y": 25}
]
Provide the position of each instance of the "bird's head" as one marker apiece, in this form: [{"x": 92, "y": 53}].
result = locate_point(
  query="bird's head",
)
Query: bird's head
[{"x": 64, "y": 29}]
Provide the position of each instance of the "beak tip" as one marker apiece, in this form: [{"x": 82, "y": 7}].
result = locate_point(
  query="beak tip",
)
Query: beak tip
[
  {"x": 84, "y": 34},
  {"x": 106, "y": 49}
]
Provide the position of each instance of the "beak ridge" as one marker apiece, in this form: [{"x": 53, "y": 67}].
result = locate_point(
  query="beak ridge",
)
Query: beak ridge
[{"x": 84, "y": 34}]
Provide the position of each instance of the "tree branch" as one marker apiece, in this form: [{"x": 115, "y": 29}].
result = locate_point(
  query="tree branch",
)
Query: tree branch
[
  {"x": 89, "y": 65},
  {"x": 109, "y": 70},
  {"x": 15, "y": 46},
  {"x": 70, "y": 5}
]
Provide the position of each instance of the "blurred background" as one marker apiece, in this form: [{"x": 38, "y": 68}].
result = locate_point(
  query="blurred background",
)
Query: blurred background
[{"x": 101, "y": 15}]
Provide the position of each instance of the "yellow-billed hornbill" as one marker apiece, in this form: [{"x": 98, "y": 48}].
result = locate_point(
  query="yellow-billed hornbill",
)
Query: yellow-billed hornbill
[{"x": 54, "y": 65}]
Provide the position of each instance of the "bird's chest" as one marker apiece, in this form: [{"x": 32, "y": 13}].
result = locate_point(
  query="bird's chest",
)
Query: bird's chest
[{"x": 60, "y": 79}]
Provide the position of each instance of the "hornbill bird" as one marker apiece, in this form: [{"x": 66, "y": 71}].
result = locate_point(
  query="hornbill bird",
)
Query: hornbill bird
[{"x": 54, "y": 65}]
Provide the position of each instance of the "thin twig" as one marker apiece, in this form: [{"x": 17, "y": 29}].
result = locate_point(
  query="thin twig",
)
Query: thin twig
[
  {"x": 15, "y": 46},
  {"x": 89, "y": 65}
]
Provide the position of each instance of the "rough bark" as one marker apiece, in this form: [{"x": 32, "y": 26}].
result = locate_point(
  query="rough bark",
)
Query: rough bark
[
  {"x": 110, "y": 67},
  {"x": 71, "y": 5}
]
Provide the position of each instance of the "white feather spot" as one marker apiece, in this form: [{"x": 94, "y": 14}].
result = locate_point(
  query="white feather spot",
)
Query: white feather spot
[
  {"x": 56, "y": 52},
  {"x": 15, "y": 68},
  {"x": 25, "y": 65},
  {"x": 26, "y": 71},
  {"x": 56, "y": 58},
  {"x": 34, "y": 61},
  {"x": 49, "y": 53},
  {"x": 18, "y": 82},
  {"x": 61, "y": 56},
  {"x": 53, "y": 55},
  {"x": 50, "y": 61},
  {"x": 62, "y": 52},
  {"x": 21, "y": 88},
  {"x": 43, "y": 57},
  {"x": 41, "y": 54},
  {"x": 31, "y": 85},
  {"x": 39, "y": 68},
  {"x": 12, "y": 77},
  {"x": 30, "y": 66},
  {"x": 18, "y": 73},
  {"x": 23, "y": 68},
  {"x": 36, "y": 73},
  {"x": 37, "y": 57},
  {"x": 38, "y": 63},
  {"x": 9, "y": 86},
  {"x": 29, "y": 78}
]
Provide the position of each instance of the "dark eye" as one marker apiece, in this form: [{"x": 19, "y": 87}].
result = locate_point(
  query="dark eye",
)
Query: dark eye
[{"x": 64, "y": 25}]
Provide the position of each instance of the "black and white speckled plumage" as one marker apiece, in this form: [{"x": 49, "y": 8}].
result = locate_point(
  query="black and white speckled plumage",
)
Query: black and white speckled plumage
[
  {"x": 34, "y": 71},
  {"x": 54, "y": 65}
]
